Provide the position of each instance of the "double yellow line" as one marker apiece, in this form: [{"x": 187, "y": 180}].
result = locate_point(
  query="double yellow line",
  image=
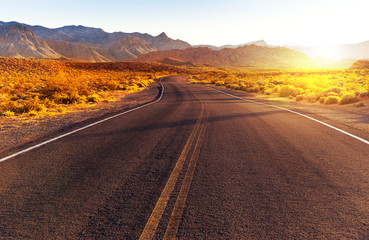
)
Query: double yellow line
[{"x": 157, "y": 213}]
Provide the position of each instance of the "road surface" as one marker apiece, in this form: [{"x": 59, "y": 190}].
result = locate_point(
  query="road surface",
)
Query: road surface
[{"x": 198, "y": 164}]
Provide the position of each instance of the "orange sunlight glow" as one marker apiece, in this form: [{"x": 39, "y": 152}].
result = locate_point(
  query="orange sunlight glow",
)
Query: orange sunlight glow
[{"x": 331, "y": 52}]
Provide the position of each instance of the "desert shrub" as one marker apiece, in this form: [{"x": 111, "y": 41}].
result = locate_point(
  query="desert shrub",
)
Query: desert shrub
[
  {"x": 219, "y": 83},
  {"x": 235, "y": 86},
  {"x": 33, "y": 113},
  {"x": 288, "y": 90},
  {"x": 232, "y": 86},
  {"x": 360, "y": 104},
  {"x": 24, "y": 106},
  {"x": 331, "y": 94},
  {"x": 132, "y": 88},
  {"x": 312, "y": 96},
  {"x": 331, "y": 100},
  {"x": 53, "y": 85},
  {"x": 61, "y": 110},
  {"x": 299, "y": 97},
  {"x": 112, "y": 85},
  {"x": 3, "y": 98},
  {"x": 261, "y": 87},
  {"x": 67, "y": 98},
  {"x": 33, "y": 104},
  {"x": 94, "y": 98},
  {"x": 276, "y": 89},
  {"x": 83, "y": 89},
  {"x": 333, "y": 90},
  {"x": 254, "y": 89},
  {"x": 49, "y": 103},
  {"x": 8, "y": 113},
  {"x": 322, "y": 99},
  {"x": 268, "y": 91},
  {"x": 348, "y": 98},
  {"x": 242, "y": 87}
]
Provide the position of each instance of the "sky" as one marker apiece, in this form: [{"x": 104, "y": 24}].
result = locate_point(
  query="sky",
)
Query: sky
[{"x": 215, "y": 22}]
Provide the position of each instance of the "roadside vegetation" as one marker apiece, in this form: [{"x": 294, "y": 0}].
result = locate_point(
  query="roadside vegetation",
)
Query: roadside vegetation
[
  {"x": 46, "y": 87},
  {"x": 323, "y": 86},
  {"x": 31, "y": 87}
]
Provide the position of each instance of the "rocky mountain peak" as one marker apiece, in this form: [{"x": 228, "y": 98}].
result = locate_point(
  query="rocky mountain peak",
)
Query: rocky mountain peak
[
  {"x": 162, "y": 35},
  {"x": 15, "y": 32},
  {"x": 80, "y": 42}
]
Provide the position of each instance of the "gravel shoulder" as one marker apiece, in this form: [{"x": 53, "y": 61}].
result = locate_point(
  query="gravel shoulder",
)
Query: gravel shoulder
[
  {"x": 17, "y": 131},
  {"x": 349, "y": 114}
]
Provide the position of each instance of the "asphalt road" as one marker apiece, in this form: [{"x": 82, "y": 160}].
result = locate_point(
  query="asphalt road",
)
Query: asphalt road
[{"x": 198, "y": 164}]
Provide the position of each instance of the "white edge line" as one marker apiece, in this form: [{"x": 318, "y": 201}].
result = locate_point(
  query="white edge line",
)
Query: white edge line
[
  {"x": 82, "y": 128},
  {"x": 303, "y": 115}
]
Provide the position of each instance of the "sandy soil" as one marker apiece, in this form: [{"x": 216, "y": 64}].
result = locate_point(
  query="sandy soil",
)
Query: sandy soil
[{"x": 17, "y": 131}]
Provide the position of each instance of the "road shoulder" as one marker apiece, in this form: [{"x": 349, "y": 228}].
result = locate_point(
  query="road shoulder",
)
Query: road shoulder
[
  {"x": 349, "y": 114},
  {"x": 15, "y": 132}
]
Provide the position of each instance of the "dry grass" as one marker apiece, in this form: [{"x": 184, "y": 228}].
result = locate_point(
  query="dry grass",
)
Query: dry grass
[
  {"x": 46, "y": 87},
  {"x": 344, "y": 86}
]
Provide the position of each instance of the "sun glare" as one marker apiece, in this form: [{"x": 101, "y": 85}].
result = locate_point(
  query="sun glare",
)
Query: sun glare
[{"x": 330, "y": 52}]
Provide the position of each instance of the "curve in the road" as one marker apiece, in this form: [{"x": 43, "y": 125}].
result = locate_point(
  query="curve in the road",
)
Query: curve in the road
[
  {"x": 82, "y": 128},
  {"x": 250, "y": 172}
]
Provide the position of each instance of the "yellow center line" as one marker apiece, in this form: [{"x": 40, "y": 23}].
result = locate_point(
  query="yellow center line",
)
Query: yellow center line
[
  {"x": 156, "y": 215},
  {"x": 176, "y": 216}
]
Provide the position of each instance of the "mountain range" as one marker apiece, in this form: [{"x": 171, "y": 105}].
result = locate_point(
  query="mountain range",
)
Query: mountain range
[
  {"x": 94, "y": 44},
  {"x": 79, "y": 42},
  {"x": 246, "y": 56},
  {"x": 19, "y": 41},
  {"x": 334, "y": 52},
  {"x": 361, "y": 64},
  {"x": 260, "y": 43}
]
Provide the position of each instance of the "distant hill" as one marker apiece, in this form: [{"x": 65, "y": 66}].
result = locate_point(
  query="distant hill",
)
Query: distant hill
[
  {"x": 163, "y": 42},
  {"x": 260, "y": 43},
  {"x": 79, "y": 42},
  {"x": 18, "y": 41},
  {"x": 335, "y": 56},
  {"x": 98, "y": 36},
  {"x": 120, "y": 50},
  {"x": 246, "y": 56},
  {"x": 361, "y": 64},
  {"x": 177, "y": 62},
  {"x": 127, "y": 48},
  {"x": 77, "y": 51}
]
